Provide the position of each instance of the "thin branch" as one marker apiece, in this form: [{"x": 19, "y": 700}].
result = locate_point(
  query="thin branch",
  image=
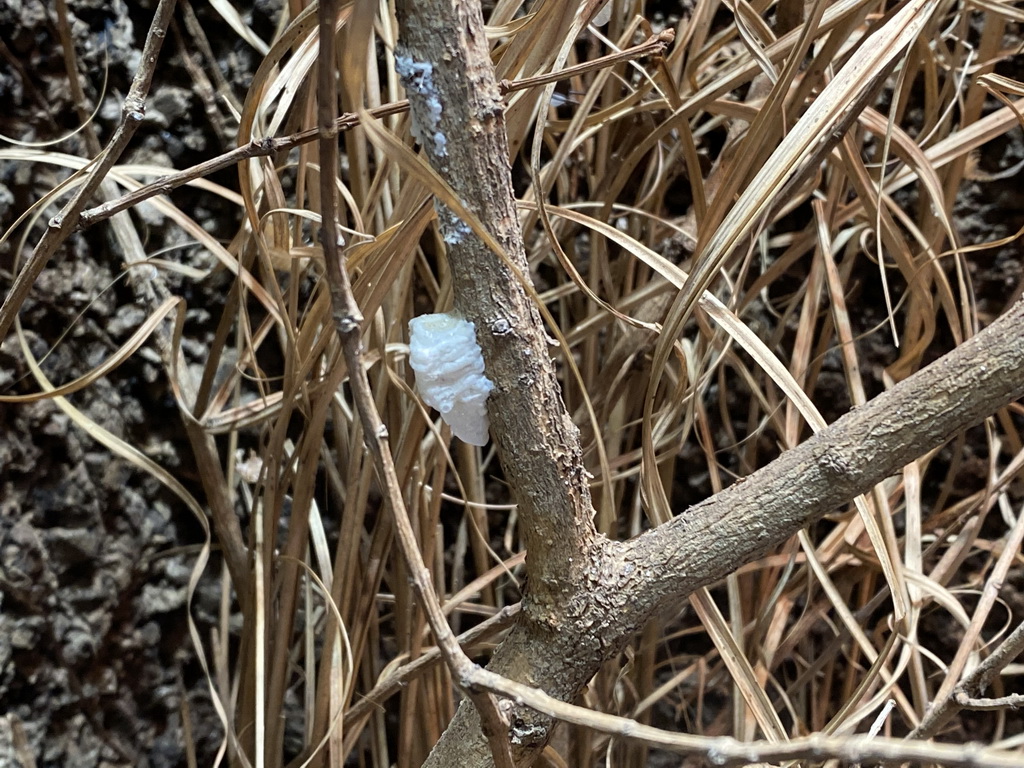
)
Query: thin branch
[
  {"x": 655, "y": 45},
  {"x": 988, "y": 670},
  {"x": 1013, "y": 701},
  {"x": 264, "y": 147},
  {"x": 724, "y": 750},
  {"x": 60, "y": 227},
  {"x": 348, "y": 319},
  {"x": 951, "y": 694}
]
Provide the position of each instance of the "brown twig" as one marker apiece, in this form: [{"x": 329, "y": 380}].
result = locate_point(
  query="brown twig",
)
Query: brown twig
[
  {"x": 724, "y": 750},
  {"x": 655, "y": 45},
  {"x": 988, "y": 670},
  {"x": 980, "y": 703},
  {"x": 951, "y": 694},
  {"x": 60, "y": 227},
  {"x": 347, "y": 321},
  {"x": 92, "y": 143},
  {"x": 255, "y": 148},
  {"x": 267, "y": 146}
]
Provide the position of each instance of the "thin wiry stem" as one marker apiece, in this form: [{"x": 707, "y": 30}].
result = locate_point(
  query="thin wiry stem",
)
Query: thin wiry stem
[
  {"x": 347, "y": 320},
  {"x": 268, "y": 146},
  {"x": 60, "y": 227}
]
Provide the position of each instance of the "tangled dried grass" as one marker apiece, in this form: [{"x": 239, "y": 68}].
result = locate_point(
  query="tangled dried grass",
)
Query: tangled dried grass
[{"x": 854, "y": 278}]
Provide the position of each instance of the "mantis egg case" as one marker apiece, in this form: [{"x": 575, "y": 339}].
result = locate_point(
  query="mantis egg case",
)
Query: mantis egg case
[{"x": 450, "y": 376}]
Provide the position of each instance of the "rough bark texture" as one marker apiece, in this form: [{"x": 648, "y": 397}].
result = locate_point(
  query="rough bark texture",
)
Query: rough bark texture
[
  {"x": 585, "y": 595},
  {"x": 444, "y": 60},
  {"x": 458, "y": 114},
  {"x": 859, "y": 450}
]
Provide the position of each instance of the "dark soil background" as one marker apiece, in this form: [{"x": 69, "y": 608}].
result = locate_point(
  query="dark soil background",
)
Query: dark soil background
[{"x": 95, "y": 556}]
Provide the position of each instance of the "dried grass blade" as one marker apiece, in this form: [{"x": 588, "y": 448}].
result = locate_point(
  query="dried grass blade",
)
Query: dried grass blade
[
  {"x": 1003, "y": 9},
  {"x": 230, "y": 14},
  {"x": 847, "y": 618},
  {"x": 738, "y": 666},
  {"x": 824, "y": 123}
]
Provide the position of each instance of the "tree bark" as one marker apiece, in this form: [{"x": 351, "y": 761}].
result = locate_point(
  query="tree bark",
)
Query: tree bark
[
  {"x": 585, "y": 595},
  {"x": 444, "y": 61}
]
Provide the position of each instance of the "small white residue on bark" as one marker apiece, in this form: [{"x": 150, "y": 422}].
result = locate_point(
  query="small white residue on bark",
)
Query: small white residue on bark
[
  {"x": 418, "y": 79},
  {"x": 453, "y": 229}
]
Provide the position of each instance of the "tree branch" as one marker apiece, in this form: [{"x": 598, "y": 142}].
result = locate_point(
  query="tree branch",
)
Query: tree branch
[
  {"x": 348, "y": 320},
  {"x": 637, "y": 579},
  {"x": 586, "y": 595},
  {"x": 63, "y": 224},
  {"x": 458, "y": 115},
  {"x": 267, "y": 146},
  {"x": 841, "y": 462}
]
